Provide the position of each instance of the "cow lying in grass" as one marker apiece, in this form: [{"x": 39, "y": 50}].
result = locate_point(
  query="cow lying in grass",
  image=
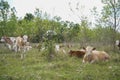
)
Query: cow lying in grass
[
  {"x": 78, "y": 54},
  {"x": 92, "y": 55}
]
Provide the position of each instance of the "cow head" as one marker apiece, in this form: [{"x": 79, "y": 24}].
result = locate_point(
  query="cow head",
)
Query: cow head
[{"x": 89, "y": 49}]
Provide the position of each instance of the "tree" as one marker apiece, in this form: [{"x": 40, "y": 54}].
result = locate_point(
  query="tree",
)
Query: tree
[
  {"x": 11, "y": 23},
  {"x": 111, "y": 17},
  {"x": 38, "y": 13},
  {"x": 29, "y": 17},
  {"x": 4, "y": 10},
  {"x": 111, "y": 13}
]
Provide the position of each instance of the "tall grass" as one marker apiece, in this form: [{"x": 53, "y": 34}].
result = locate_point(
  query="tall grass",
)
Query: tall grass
[{"x": 35, "y": 66}]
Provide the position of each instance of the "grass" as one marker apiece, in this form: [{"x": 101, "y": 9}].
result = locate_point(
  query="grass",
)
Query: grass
[{"x": 36, "y": 66}]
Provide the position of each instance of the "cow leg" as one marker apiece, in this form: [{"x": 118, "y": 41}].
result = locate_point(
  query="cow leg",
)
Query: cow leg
[
  {"x": 24, "y": 49},
  {"x": 23, "y": 53},
  {"x": 22, "y": 56},
  {"x": 14, "y": 48},
  {"x": 83, "y": 61},
  {"x": 18, "y": 48},
  {"x": 92, "y": 61},
  {"x": 9, "y": 46}
]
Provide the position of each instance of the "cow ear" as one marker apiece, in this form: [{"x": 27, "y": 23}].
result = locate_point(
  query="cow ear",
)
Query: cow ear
[
  {"x": 84, "y": 48},
  {"x": 93, "y": 48}
]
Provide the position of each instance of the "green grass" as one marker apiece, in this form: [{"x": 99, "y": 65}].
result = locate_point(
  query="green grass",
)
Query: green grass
[{"x": 36, "y": 66}]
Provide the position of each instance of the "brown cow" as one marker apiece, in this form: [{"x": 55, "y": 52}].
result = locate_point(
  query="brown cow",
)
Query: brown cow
[{"x": 78, "y": 54}]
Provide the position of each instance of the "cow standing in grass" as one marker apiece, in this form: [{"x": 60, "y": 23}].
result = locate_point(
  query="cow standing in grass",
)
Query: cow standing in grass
[
  {"x": 92, "y": 55},
  {"x": 19, "y": 44},
  {"x": 22, "y": 45},
  {"x": 9, "y": 42}
]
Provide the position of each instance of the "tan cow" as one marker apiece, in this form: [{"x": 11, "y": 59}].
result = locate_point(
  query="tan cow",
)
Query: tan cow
[
  {"x": 22, "y": 43},
  {"x": 22, "y": 46},
  {"x": 92, "y": 55},
  {"x": 19, "y": 44}
]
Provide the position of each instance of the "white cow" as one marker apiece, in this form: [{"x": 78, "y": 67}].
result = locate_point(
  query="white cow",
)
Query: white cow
[
  {"x": 57, "y": 48},
  {"x": 25, "y": 38},
  {"x": 9, "y": 41},
  {"x": 117, "y": 43}
]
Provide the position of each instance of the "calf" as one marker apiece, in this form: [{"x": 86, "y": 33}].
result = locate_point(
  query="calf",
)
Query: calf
[
  {"x": 77, "y": 53},
  {"x": 92, "y": 55}
]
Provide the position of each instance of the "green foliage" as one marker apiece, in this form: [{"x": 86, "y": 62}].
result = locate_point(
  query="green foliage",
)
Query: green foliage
[
  {"x": 4, "y": 11},
  {"x": 29, "y": 17},
  {"x": 110, "y": 13},
  {"x": 49, "y": 41},
  {"x": 47, "y": 65},
  {"x": 36, "y": 25}
]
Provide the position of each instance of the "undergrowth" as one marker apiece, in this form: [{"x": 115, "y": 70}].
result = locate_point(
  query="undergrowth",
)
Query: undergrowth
[{"x": 35, "y": 66}]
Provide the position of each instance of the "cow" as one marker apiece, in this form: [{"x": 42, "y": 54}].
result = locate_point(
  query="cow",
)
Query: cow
[
  {"x": 25, "y": 38},
  {"x": 22, "y": 45},
  {"x": 117, "y": 43},
  {"x": 92, "y": 55},
  {"x": 19, "y": 44},
  {"x": 9, "y": 41},
  {"x": 57, "y": 48},
  {"x": 78, "y": 53}
]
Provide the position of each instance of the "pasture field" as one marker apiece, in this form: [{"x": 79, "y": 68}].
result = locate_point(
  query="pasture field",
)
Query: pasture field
[{"x": 37, "y": 66}]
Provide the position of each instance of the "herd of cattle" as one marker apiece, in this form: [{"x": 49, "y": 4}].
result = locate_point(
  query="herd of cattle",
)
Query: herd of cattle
[
  {"x": 17, "y": 44},
  {"x": 88, "y": 54}
]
